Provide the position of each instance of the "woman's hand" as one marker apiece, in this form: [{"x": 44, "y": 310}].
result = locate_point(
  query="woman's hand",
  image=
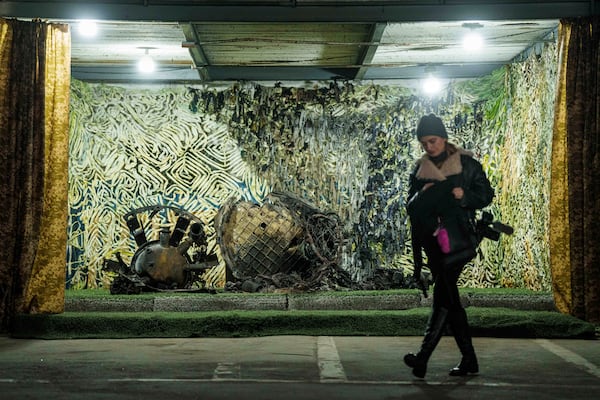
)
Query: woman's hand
[{"x": 458, "y": 193}]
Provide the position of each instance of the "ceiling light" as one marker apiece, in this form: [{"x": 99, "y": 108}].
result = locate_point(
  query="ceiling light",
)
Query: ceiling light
[
  {"x": 87, "y": 27},
  {"x": 146, "y": 64},
  {"x": 472, "y": 41},
  {"x": 432, "y": 85}
]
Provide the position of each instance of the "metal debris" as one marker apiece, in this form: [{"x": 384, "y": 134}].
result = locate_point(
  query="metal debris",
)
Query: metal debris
[{"x": 173, "y": 262}]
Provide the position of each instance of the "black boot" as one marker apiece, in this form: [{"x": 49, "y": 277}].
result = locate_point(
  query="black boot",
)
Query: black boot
[
  {"x": 433, "y": 334},
  {"x": 462, "y": 335}
]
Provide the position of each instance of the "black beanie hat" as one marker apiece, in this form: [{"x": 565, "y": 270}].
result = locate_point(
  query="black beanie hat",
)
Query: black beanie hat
[{"x": 431, "y": 125}]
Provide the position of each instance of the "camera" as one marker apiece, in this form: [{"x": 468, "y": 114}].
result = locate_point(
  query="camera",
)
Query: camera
[{"x": 488, "y": 228}]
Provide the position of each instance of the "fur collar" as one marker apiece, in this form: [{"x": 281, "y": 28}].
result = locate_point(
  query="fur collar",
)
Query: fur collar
[{"x": 427, "y": 170}]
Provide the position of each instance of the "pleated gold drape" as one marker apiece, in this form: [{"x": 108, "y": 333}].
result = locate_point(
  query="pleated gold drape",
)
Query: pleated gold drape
[
  {"x": 575, "y": 187},
  {"x": 34, "y": 126}
]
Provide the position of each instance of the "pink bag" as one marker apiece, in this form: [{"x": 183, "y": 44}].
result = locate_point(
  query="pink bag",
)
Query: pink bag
[
  {"x": 443, "y": 239},
  {"x": 456, "y": 242}
]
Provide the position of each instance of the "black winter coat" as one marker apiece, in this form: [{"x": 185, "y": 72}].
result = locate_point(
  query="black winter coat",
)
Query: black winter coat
[{"x": 426, "y": 207}]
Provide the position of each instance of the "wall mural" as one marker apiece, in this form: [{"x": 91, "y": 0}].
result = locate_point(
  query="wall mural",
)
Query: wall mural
[
  {"x": 524, "y": 189},
  {"x": 132, "y": 148},
  {"x": 344, "y": 147}
]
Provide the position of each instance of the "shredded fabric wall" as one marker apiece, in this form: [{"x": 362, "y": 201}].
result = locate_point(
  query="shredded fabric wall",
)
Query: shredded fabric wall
[
  {"x": 346, "y": 148},
  {"x": 524, "y": 190}
]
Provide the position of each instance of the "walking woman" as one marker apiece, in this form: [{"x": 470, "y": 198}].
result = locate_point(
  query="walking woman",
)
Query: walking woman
[{"x": 447, "y": 186}]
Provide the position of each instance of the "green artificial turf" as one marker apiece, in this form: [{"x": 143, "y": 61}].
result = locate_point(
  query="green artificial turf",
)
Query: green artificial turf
[
  {"x": 494, "y": 322},
  {"x": 485, "y": 321}
]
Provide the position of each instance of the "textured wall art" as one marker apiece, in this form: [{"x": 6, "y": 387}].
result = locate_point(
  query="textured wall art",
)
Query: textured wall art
[
  {"x": 133, "y": 148},
  {"x": 526, "y": 164},
  {"x": 346, "y": 148}
]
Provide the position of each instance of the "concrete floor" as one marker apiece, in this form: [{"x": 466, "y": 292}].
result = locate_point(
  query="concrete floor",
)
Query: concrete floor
[{"x": 292, "y": 367}]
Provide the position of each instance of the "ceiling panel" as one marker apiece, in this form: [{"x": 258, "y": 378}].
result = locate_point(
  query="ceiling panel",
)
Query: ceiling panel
[
  {"x": 299, "y": 51},
  {"x": 277, "y": 44},
  {"x": 441, "y": 42},
  {"x": 122, "y": 43}
]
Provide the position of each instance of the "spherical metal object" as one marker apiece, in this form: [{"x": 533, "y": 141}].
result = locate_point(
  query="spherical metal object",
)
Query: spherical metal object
[{"x": 162, "y": 264}]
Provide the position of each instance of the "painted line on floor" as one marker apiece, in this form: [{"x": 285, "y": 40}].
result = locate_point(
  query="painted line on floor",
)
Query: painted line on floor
[
  {"x": 570, "y": 356},
  {"x": 227, "y": 370},
  {"x": 330, "y": 366}
]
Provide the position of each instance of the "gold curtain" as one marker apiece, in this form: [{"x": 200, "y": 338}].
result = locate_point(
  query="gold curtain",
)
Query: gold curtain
[
  {"x": 575, "y": 190},
  {"x": 34, "y": 115}
]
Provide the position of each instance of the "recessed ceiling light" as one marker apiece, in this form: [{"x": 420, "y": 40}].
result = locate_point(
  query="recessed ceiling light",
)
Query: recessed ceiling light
[
  {"x": 432, "y": 85},
  {"x": 146, "y": 64},
  {"x": 472, "y": 41},
  {"x": 87, "y": 27}
]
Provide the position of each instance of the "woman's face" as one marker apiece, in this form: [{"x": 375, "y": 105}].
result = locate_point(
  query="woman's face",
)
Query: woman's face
[{"x": 433, "y": 145}]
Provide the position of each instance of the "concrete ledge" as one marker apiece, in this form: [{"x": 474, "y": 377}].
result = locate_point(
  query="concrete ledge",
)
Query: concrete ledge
[
  {"x": 100, "y": 304},
  {"x": 304, "y": 301},
  {"x": 353, "y": 302},
  {"x": 220, "y": 303},
  {"x": 515, "y": 302}
]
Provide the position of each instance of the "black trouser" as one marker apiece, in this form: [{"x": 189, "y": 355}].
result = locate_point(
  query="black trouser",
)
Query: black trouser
[
  {"x": 447, "y": 307},
  {"x": 445, "y": 289}
]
